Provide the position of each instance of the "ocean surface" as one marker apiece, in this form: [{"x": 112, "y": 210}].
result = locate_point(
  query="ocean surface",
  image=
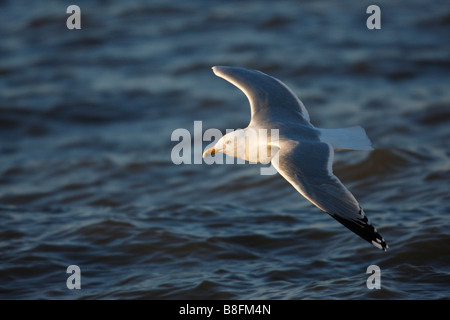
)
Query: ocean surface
[{"x": 87, "y": 178}]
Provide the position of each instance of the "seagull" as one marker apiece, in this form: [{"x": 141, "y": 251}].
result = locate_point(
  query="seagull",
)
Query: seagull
[{"x": 300, "y": 152}]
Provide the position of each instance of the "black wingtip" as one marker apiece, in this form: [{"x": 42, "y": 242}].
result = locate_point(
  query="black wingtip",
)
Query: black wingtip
[
  {"x": 364, "y": 229},
  {"x": 380, "y": 243}
]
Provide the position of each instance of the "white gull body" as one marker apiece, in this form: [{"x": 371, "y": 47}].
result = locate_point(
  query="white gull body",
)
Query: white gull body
[{"x": 302, "y": 153}]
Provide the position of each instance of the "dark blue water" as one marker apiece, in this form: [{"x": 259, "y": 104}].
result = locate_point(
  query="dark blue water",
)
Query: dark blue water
[{"x": 86, "y": 176}]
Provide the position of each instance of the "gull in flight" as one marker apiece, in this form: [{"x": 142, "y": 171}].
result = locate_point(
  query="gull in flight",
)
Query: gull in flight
[{"x": 300, "y": 152}]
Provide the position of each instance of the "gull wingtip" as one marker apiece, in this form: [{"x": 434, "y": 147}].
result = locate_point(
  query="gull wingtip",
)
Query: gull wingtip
[
  {"x": 217, "y": 69},
  {"x": 380, "y": 244}
]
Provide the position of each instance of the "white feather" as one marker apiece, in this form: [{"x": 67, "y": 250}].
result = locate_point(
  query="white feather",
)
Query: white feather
[{"x": 351, "y": 138}]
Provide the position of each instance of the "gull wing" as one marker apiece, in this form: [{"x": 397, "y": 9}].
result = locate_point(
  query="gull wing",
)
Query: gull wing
[
  {"x": 308, "y": 167},
  {"x": 270, "y": 99}
]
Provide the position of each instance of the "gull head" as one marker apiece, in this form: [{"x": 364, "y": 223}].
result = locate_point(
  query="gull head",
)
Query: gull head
[
  {"x": 247, "y": 144},
  {"x": 231, "y": 144}
]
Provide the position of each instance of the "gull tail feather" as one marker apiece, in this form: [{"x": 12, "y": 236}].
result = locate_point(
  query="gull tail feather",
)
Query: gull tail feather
[{"x": 351, "y": 138}]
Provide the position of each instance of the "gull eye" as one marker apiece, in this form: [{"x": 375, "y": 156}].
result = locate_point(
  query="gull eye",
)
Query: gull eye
[{"x": 228, "y": 142}]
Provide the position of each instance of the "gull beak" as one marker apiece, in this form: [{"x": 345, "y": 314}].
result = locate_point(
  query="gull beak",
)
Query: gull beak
[{"x": 209, "y": 152}]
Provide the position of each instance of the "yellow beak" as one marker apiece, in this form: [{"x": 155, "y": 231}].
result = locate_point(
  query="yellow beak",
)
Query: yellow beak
[{"x": 209, "y": 152}]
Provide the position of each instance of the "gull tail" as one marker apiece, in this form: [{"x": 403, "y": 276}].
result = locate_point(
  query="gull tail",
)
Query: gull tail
[{"x": 351, "y": 138}]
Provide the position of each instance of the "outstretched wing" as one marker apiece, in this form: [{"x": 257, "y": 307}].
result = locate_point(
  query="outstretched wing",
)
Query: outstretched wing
[
  {"x": 269, "y": 98},
  {"x": 308, "y": 167}
]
